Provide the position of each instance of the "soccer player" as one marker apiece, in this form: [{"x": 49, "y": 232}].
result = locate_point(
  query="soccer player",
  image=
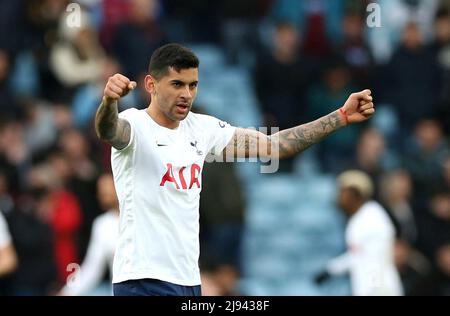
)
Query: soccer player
[
  {"x": 370, "y": 238},
  {"x": 102, "y": 244},
  {"x": 157, "y": 160}
]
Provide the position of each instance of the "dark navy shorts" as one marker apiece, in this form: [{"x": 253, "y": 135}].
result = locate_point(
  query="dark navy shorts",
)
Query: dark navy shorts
[{"x": 152, "y": 287}]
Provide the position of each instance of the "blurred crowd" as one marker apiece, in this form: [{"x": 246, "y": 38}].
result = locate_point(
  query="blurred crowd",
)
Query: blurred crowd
[{"x": 306, "y": 57}]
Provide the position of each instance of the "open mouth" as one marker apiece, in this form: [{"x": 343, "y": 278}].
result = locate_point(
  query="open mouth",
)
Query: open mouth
[{"x": 182, "y": 107}]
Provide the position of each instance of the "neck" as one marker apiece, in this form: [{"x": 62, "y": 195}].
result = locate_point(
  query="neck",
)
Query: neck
[
  {"x": 355, "y": 207},
  {"x": 160, "y": 118}
]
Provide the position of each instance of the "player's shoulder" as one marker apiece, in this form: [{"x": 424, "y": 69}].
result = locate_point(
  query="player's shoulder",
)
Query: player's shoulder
[
  {"x": 374, "y": 213},
  {"x": 134, "y": 116},
  {"x": 130, "y": 110},
  {"x": 373, "y": 205},
  {"x": 129, "y": 113},
  {"x": 205, "y": 120},
  {"x": 193, "y": 116}
]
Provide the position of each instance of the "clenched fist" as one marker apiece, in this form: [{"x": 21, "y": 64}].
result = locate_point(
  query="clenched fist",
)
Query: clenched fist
[
  {"x": 117, "y": 87},
  {"x": 359, "y": 107}
]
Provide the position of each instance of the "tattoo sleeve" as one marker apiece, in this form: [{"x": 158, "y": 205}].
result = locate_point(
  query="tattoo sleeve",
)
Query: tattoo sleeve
[
  {"x": 247, "y": 143},
  {"x": 109, "y": 127},
  {"x": 295, "y": 140}
]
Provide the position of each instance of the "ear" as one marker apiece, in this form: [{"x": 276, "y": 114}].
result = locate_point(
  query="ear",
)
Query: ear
[{"x": 150, "y": 83}]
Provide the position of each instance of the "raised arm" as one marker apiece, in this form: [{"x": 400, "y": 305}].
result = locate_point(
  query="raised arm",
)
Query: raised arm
[
  {"x": 109, "y": 127},
  {"x": 287, "y": 143}
]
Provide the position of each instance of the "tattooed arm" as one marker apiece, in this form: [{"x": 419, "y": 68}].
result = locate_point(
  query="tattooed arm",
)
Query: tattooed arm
[
  {"x": 287, "y": 143},
  {"x": 109, "y": 127},
  {"x": 295, "y": 140}
]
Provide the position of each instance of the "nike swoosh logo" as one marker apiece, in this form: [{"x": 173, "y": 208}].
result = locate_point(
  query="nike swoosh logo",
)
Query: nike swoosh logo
[{"x": 162, "y": 145}]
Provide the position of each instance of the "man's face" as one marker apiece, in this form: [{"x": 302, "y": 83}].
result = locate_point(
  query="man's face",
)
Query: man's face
[{"x": 175, "y": 93}]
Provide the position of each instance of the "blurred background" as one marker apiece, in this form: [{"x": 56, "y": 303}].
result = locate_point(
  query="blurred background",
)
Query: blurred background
[{"x": 263, "y": 63}]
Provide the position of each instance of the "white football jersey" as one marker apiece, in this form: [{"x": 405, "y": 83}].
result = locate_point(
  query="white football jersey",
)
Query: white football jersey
[
  {"x": 158, "y": 183},
  {"x": 100, "y": 254},
  {"x": 370, "y": 238}
]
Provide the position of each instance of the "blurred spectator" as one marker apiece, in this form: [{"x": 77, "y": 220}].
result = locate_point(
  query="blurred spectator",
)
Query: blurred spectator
[
  {"x": 441, "y": 33},
  {"x": 222, "y": 213},
  {"x": 140, "y": 35},
  {"x": 240, "y": 22},
  {"x": 33, "y": 239},
  {"x": 441, "y": 50},
  {"x": 396, "y": 193},
  {"x": 79, "y": 174},
  {"x": 114, "y": 13},
  {"x": 415, "y": 270},
  {"x": 316, "y": 41},
  {"x": 446, "y": 183},
  {"x": 8, "y": 104},
  {"x": 102, "y": 244},
  {"x": 356, "y": 51},
  {"x": 281, "y": 78},
  {"x": 77, "y": 152},
  {"x": 40, "y": 130},
  {"x": 323, "y": 98},
  {"x": 434, "y": 224},
  {"x": 81, "y": 179},
  {"x": 370, "y": 238},
  {"x": 193, "y": 21},
  {"x": 395, "y": 15},
  {"x": 14, "y": 154},
  {"x": 62, "y": 212},
  {"x": 65, "y": 221},
  {"x": 12, "y": 26},
  {"x": 372, "y": 156},
  {"x": 424, "y": 159},
  {"x": 43, "y": 19},
  {"x": 77, "y": 57},
  {"x": 323, "y": 16},
  {"x": 62, "y": 117},
  {"x": 412, "y": 79},
  {"x": 6, "y": 200},
  {"x": 443, "y": 263}
]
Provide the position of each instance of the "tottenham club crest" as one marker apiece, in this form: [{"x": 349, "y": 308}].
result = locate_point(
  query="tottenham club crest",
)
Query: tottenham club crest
[{"x": 194, "y": 144}]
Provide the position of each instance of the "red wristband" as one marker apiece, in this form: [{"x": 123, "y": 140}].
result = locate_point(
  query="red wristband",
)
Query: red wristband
[{"x": 344, "y": 114}]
